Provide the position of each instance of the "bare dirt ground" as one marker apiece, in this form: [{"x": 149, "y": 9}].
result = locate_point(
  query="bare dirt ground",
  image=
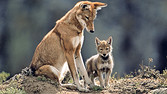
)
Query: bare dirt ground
[{"x": 145, "y": 81}]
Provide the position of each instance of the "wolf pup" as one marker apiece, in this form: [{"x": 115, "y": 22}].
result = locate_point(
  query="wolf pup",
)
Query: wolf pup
[
  {"x": 102, "y": 62},
  {"x": 64, "y": 42}
]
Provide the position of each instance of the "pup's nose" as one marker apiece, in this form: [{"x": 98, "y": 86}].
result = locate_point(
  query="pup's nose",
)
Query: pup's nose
[
  {"x": 104, "y": 54},
  {"x": 91, "y": 31}
]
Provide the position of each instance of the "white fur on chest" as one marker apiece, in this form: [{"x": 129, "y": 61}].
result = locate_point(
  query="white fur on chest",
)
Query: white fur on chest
[
  {"x": 105, "y": 65},
  {"x": 76, "y": 40}
]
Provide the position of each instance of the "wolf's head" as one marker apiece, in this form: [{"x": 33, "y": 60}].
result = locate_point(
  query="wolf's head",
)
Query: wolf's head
[
  {"x": 104, "y": 47},
  {"x": 86, "y": 13}
]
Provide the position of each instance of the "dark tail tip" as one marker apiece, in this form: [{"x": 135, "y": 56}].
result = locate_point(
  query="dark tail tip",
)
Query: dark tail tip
[{"x": 27, "y": 71}]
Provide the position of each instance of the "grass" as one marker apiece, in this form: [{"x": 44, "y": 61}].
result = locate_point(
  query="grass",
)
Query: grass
[
  {"x": 143, "y": 80},
  {"x": 48, "y": 80},
  {"x": 97, "y": 88},
  {"x": 12, "y": 87},
  {"x": 42, "y": 78},
  {"x": 3, "y": 76},
  {"x": 12, "y": 90}
]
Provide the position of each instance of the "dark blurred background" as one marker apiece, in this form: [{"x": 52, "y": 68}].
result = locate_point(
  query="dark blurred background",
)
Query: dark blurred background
[{"x": 138, "y": 28}]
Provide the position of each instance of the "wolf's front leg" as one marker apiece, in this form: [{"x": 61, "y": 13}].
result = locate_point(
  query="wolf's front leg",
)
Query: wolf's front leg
[
  {"x": 100, "y": 75},
  {"x": 73, "y": 69},
  {"x": 82, "y": 70},
  {"x": 108, "y": 74}
]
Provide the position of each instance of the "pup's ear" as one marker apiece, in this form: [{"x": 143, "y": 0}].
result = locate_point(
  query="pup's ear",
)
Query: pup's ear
[
  {"x": 85, "y": 6},
  {"x": 109, "y": 40},
  {"x": 99, "y": 5},
  {"x": 97, "y": 41}
]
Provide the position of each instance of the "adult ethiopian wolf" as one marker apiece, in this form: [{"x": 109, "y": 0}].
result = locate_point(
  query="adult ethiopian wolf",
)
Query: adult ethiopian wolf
[{"x": 64, "y": 42}]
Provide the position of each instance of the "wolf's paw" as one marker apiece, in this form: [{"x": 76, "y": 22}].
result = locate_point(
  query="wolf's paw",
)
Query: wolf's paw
[
  {"x": 83, "y": 89},
  {"x": 91, "y": 85},
  {"x": 107, "y": 85}
]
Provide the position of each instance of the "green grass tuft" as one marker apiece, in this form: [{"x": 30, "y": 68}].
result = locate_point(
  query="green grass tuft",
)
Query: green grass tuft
[
  {"x": 97, "y": 88},
  {"x": 12, "y": 90},
  {"x": 3, "y": 76}
]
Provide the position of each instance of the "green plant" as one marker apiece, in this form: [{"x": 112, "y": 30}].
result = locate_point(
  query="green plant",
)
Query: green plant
[
  {"x": 3, "y": 76},
  {"x": 164, "y": 74},
  {"x": 148, "y": 72},
  {"x": 97, "y": 88},
  {"x": 41, "y": 78},
  {"x": 12, "y": 87},
  {"x": 12, "y": 90},
  {"x": 131, "y": 75},
  {"x": 113, "y": 76}
]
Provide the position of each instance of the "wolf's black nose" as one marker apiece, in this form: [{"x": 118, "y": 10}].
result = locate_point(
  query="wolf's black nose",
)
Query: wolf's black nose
[
  {"x": 91, "y": 31},
  {"x": 104, "y": 54}
]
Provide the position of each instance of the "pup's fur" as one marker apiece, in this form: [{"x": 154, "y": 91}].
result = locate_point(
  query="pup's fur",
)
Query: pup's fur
[
  {"x": 102, "y": 62},
  {"x": 64, "y": 42}
]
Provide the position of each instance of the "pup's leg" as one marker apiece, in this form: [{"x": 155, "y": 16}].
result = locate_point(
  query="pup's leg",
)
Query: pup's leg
[
  {"x": 89, "y": 72},
  {"x": 100, "y": 75},
  {"x": 108, "y": 74},
  {"x": 92, "y": 79},
  {"x": 73, "y": 69},
  {"x": 48, "y": 71}
]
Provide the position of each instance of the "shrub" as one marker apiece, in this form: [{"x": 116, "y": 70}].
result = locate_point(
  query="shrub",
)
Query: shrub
[{"x": 3, "y": 76}]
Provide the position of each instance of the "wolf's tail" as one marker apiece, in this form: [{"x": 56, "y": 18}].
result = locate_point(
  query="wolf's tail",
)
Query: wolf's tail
[{"x": 27, "y": 71}]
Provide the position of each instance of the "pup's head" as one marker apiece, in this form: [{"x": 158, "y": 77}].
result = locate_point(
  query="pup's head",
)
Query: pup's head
[
  {"x": 87, "y": 13},
  {"x": 104, "y": 47}
]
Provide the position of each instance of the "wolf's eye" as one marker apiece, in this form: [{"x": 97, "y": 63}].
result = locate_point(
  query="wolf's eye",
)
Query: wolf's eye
[
  {"x": 101, "y": 49},
  {"x": 87, "y": 17}
]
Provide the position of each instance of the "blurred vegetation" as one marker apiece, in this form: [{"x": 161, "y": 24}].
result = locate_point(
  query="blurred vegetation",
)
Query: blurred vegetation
[
  {"x": 48, "y": 80},
  {"x": 11, "y": 88},
  {"x": 3, "y": 76},
  {"x": 97, "y": 88},
  {"x": 165, "y": 73}
]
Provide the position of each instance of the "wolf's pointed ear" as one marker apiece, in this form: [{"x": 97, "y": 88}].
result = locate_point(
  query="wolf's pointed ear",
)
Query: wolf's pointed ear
[
  {"x": 97, "y": 41},
  {"x": 109, "y": 40},
  {"x": 85, "y": 6},
  {"x": 99, "y": 5}
]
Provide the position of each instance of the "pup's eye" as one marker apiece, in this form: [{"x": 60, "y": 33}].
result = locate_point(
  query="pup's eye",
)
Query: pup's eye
[
  {"x": 107, "y": 48},
  {"x": 101, "y": 49},
  {"x": 87, "y": 17}
]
